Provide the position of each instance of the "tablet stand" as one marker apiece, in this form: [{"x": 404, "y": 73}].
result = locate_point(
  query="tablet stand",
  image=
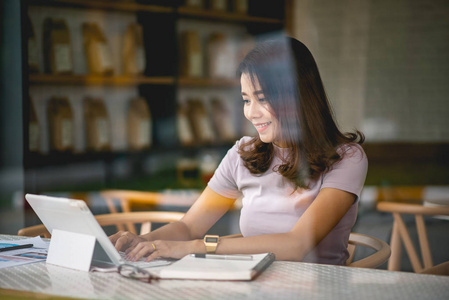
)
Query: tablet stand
[{"x": 75, "y": 250}]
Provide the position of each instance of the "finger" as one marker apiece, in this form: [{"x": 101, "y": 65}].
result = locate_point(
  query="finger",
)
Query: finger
[
  {"x": 135, "y": 241},
  {"x": 133, "y": 252},
  {"x": 113, "y": 238},
  {"x": 152, "y": 256},
  {"x": 120, "y": 242},
  {"x": 141, "y": 250}
]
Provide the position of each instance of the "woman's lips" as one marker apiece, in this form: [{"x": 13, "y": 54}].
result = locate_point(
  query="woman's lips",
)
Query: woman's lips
[{"x": 262, "y": 126}]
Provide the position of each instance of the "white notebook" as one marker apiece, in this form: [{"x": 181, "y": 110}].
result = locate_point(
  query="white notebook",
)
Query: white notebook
[{"x": 217, "y": 267}]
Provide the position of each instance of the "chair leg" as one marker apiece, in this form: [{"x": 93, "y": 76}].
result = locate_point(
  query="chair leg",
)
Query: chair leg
[
  {"x": 405, "y": 236},
  {"x": 394, "y": 263},
  {"x": 113, "y": 209},
  {"x": 126, "y": 207},
  {"x": 145, "y": 228},
  {"x": 423, "y": 241}
]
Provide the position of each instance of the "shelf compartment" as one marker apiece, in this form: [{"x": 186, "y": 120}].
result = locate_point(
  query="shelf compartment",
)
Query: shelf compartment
[{"x": 99, "y": 80}]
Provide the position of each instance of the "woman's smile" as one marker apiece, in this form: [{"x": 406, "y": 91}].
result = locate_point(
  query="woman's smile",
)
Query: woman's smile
[{"x": 262, "y": 126}]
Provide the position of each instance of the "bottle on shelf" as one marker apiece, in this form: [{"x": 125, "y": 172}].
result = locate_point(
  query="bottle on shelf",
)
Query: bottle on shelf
[
  {"x": 139, "y": 125},
  {"x": 98, "y": 54},
  {"x": 220, "y": 59},
  {"x": 222, "y": 120},
  {"x": 133, "y": 51},
  {"x": 199, "y": 121},
  {"x": 191, "y": 54},
  {"x": 57, "y": 47},
  {"x": 60, "y": 119},
  {"x": 98, "y": 133},
  {"x": 185, "y": 133}
]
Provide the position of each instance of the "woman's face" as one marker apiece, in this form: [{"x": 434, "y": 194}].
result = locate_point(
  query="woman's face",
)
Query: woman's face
[{"x": 258, "y": 111}]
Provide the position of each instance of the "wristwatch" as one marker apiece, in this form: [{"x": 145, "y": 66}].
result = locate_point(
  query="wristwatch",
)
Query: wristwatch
[{"x": 211, "y": 242}]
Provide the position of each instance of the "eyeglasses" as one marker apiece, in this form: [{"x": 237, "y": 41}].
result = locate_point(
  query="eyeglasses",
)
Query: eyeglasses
[{"x": 133, "y": 272}]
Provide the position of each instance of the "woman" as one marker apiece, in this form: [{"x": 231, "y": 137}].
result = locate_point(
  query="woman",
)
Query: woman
[{"x": 300, "y": 179}]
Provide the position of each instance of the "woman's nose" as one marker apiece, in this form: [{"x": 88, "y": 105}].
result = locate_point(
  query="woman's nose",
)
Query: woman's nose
[{"x": 253, "y": 110}]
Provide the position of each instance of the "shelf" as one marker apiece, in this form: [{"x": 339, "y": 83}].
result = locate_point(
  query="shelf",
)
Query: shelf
[
  {"x": 129, "y": 80},
  {"x": 208, "y": 82},
  {"x": 136, "y": 7},
  {"x": 104, "y": 5},
  {"x": 98, "y": 80},
  {"x": 224, "y": 16}
]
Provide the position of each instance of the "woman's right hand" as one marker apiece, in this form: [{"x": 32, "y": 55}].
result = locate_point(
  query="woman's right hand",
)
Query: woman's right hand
[{"x": 123, "y": 240}]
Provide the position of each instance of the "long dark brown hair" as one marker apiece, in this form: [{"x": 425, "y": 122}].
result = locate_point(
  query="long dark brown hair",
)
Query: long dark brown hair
[{"x": 290, "y": 81}]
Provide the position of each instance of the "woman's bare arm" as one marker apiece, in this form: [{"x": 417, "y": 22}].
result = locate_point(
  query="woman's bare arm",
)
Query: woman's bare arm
[
  {"x": 319, "y": 219},
  {"x": 204, "y": 213}
]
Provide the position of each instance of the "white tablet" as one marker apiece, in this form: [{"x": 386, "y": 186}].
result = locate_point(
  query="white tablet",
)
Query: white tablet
[{"x": 75, "y": 216}]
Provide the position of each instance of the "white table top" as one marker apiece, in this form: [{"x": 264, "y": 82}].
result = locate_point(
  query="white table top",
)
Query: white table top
[{"x": 282, "y": 280}]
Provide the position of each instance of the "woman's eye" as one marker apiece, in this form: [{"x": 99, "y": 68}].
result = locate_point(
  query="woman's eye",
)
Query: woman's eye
[
  {"x": 262, "y": 100},
  {"x": 245, "y": 101}
]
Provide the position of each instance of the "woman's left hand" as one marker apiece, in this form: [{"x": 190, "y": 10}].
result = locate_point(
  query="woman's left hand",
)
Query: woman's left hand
[{"x": 161, "y": 248}]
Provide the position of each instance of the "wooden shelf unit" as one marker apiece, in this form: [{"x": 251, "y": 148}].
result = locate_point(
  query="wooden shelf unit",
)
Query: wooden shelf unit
[{"x": 161, "y": 80}]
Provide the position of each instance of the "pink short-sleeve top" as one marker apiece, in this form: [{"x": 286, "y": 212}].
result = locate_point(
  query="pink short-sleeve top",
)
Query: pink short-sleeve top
[{"x": 270, "y": 203}]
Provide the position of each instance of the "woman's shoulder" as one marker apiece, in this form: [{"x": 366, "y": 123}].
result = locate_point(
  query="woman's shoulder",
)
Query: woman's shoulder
[
  {"x": 351, "y": 149},
  {"x": 243, "y": 141},
  {"x": 352, "y": 153}
]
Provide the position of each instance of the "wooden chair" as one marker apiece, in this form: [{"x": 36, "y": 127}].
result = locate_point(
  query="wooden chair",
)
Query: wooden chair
[
  {"x": 380, "y": 256},
  {"x": 126, "y": 199},
  {"x": 144, "y": 218},
  {"x": 400, "y": 233}
]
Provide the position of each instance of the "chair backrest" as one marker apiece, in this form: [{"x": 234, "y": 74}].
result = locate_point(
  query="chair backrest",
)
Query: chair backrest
[
  {"x": 380, "y": 256},
  {"x": 124, "y": 198},
  {"x": 144, "y": 218}
]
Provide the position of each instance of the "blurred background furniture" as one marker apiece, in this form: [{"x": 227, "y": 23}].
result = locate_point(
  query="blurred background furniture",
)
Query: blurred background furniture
[
  {"x": 125, "y": 200},
  {"x": 381, "y": 251},
  {"x": 126, "y": 221},
  {"x": 400, "y": 233}
]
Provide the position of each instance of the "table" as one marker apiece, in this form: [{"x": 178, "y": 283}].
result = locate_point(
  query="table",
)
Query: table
[{"x": 282, "y": 280}]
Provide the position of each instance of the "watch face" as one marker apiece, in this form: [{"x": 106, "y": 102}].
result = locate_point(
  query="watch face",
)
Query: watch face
[{"x": 211, "y": 240}]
